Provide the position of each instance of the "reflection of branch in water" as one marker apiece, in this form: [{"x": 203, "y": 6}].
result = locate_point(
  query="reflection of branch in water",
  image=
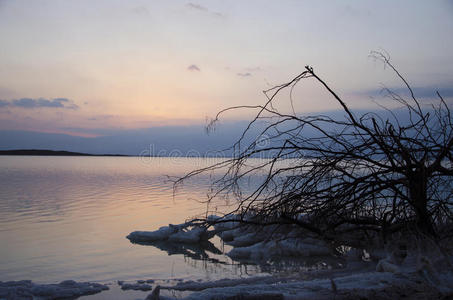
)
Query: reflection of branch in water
[
  {"x": 194, "y": 251},
  {"x": 214, "y": 265},
  {"x": 294, "y": 264},
  {"x": 199, "y": 252},
  {"x": 252, "y": 252}
]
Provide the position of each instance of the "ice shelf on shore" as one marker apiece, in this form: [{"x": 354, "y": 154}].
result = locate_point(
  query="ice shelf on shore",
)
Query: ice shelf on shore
[
  {"x": 182, "y": 233},
  {"x": 362, "y": 285},
  {"x": 388, "y": 271},
  {"x": 249, "y": 244},
  {"x": 339, "y": 285},
  {"x": 26, "y": 289}
]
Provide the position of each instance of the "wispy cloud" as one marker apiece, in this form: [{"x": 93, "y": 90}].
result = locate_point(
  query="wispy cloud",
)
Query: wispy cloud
[
  {"x": 419, "y": 91},
  {"x": 140, "y": 10},
  {"x": 204, "y": 9},
  {"x": 193, "y": 68},
  {"x": 253, "y": 69},
  {"x": 100, "y": 117},
  {"x": 196, "y": 6},
  {"x": 244, "y": 74},
  {"x": 30, "y": 103}
]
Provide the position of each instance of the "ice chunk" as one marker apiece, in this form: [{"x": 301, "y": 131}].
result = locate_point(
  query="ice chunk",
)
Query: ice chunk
[
  {"x": 194, "y": 235},
  {"x": 245, "y": 240},
  {"x": 225, "y": 282},
  {"x": 173, "y": 233},
  {"x": 163, "y": 233},
  {"x": 224, "y": 223},
  {"x": 384, "y": 265},
  {"x": 26, "y": 289},
  {"x": 139, "y": 286},
  {"x": 228, "y": 235},
  {"x": 155, "y": 294},
  {"x": 349, "y": 286},
  {"x": 289, "y": 247}
]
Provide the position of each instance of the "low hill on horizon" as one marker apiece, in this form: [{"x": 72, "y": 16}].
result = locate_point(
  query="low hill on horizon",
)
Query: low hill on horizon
[{"x": 45, "y": 152}]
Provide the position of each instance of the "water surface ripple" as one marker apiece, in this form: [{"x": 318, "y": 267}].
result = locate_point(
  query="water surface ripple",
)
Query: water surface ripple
[{"x": 67, "y": 218}]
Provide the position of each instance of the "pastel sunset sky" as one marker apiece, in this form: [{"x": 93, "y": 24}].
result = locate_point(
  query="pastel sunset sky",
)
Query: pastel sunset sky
[{"x": 84, "y": 67}]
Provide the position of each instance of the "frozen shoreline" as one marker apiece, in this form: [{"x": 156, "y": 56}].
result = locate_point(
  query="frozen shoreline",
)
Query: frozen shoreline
[
  {"x": 397, "y": 272},
  {"x": 383, "y": 273},
  {"x": 26, "y": 289},
  {"x": 343, "y": 284}
]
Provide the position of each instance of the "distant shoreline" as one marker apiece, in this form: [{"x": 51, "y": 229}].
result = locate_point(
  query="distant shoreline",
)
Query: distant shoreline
[
  {"x": 45, "y": 152},
  {"x": 52, "y": 153}
]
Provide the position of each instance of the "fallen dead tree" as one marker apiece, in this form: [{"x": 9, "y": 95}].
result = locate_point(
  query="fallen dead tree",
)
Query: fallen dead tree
[
  {"x": 356, "y": 179},
  {"x": 376, "y": 186}
]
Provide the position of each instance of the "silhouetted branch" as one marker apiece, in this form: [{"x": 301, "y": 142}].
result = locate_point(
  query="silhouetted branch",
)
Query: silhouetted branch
[{"x": 374, "y": 172}]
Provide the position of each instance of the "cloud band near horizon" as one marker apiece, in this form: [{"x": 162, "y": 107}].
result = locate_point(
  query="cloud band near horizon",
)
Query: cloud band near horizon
[{"x": 30, "y": 103}]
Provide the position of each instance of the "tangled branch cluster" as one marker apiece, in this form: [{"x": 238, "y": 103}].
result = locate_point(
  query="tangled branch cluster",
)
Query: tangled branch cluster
[{"x": 376, "y": 173}]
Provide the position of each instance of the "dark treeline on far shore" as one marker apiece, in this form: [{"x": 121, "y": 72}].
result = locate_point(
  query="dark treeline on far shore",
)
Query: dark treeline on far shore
[{"x": 50, "y": 153}]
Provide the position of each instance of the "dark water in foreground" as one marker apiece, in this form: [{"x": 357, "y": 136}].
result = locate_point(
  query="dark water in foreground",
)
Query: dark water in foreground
[{"x": 67, "y": 218}]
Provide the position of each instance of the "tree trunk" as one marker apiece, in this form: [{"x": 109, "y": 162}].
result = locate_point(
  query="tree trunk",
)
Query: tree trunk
[{"x": 419, "y": 200}]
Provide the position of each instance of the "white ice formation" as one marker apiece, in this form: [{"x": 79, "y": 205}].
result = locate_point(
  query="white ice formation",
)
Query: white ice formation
[
  {"x": 249, "y": 243},
  {"x": 361, "y": 285},
  {"x": 182, "y": 233},
  {"x": 68, "y": 289}
]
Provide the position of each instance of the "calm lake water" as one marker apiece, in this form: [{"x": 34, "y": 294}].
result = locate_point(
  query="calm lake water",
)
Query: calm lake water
[{"x": 68, "y": 218}]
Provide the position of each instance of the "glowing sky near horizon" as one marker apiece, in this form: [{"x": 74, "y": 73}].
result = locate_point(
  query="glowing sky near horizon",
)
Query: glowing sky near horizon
[{"x": 82, "y": 66}]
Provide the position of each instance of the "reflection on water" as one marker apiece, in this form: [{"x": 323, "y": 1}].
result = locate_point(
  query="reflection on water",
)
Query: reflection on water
[
  {"x": 67, "y": 218},
  {"x": 194, "y": 251},
  {"x": 207, "y": 256}
]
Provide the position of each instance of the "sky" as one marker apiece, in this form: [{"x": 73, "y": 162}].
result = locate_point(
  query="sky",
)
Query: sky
[{"x": 110, "y": 68}]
